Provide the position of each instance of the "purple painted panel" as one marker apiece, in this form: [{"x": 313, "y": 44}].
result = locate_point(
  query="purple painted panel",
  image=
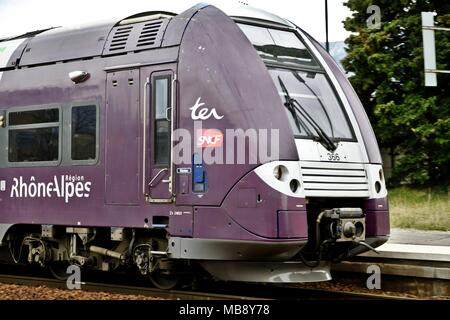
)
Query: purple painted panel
[
  {"x": 183, "y": 184},
  {"x": 50, "y": 84},
  {"x": 247, "y": 198},
  {"x": 181, "y": 221},
  {"x": 262, "y": 220},
  {"x": 292, "y": 224},
  {"x": 122, "y": 138},
  {"x": 377, "y": 217},
  {"x": 219, "y": 66},
  {"x": 177, "y": 25},
  {"x": 377, "y": 223},
  {"x": 380, "y": 204},
  {"x": 209, "y": 70},
  {"x": 215, "y": 223}
]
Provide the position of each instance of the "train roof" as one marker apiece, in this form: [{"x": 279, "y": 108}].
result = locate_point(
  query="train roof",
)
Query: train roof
[{"x": 133, "y": 33}]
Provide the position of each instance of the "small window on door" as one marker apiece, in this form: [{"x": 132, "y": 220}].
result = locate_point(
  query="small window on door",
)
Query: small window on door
[
  {"x": 84, "y": 132},
  {"x": 162, "y": 107}
]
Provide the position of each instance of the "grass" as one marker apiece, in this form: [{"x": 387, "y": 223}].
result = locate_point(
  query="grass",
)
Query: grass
[{"x": 425, "y": 209}]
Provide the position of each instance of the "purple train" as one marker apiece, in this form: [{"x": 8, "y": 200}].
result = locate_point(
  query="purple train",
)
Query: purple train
[{"x": 172, "y": 142}]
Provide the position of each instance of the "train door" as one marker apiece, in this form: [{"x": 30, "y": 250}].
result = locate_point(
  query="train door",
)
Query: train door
[
  {"x": 158, "y": 116},
  {"x": 122, "y": 138}
]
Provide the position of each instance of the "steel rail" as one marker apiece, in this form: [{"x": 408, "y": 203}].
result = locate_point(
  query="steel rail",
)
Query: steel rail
[
  {"x": 263, "y": 292},
  {"x": 121, "y": 289}
]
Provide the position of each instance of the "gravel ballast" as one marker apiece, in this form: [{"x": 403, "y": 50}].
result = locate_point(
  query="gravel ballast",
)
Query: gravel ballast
[{"x": 22, "y": 292}]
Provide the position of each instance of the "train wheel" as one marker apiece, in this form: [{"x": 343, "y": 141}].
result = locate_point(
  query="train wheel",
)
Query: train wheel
[
  {"x": 59, "y": 270},
  {"x": 164, "y": 281}
]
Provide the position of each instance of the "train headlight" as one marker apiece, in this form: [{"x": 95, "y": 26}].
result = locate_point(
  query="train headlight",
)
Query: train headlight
[
  {"x": 280, "y": 172},
  {"x": 380, "y": 173},
  {"x": 378, "y": 186},
  {"x": 294, "y": 185}
]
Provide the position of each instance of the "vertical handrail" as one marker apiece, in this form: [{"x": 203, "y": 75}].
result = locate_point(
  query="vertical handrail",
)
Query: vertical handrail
[
  {"x": 144, "y": 137},
  {"x": 172, "y": 129}
]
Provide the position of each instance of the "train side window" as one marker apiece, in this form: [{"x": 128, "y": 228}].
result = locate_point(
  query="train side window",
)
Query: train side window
[
  {"x": 162, "y": 105},
  {"x": 84, "y": 133},
  {"x": 34, "y": 135}
]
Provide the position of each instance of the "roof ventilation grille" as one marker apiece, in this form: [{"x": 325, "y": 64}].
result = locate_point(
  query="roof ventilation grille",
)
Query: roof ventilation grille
[
  {"x": 120, "y": 38},
  {"x": 136, "y": 37},
  {"x": 149, "y": 33}
]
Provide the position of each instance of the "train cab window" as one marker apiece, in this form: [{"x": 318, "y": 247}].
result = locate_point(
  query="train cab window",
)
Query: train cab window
[
  {"x": 34, "y": 135},
  {"x": 162, "y": 106},
  {"x": 84, "y": 133},
  {"x": 279, "y": 47}
]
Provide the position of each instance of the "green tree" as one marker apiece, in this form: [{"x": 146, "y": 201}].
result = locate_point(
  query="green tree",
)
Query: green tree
[{"x": 387, "y": 67}]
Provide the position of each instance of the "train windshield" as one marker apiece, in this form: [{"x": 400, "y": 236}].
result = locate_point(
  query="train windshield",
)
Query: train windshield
[
  {"x": 311, "y": 105},
  {"x": 313, "y": 109}
]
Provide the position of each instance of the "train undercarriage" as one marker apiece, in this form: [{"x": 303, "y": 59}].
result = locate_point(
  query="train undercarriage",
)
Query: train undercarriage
[
  {"x": 336, "y": 230},
  {"x": 105, "y": 249}
]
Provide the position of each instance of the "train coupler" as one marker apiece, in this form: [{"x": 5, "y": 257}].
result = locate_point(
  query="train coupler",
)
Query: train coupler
[{"x": 342, "y": 224}]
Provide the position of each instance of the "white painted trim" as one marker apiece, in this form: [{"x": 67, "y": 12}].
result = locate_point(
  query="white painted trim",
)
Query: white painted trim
[
  {"x": 373, "y": 175},
  {"x": 326, "y": 179},
  {"x": 309, "y": 150},
  {"x": 266, "y": 173}
]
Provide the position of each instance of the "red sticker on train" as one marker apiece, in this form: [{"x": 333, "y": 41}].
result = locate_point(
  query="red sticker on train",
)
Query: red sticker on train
[{"x": 209, "y": 138}]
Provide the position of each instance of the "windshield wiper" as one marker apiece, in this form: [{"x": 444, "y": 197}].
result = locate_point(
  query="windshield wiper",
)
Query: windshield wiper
[
  {"x": 300, "y": 79},
  {"x": 324, "y": 138},
  {"x": 326, "y": 141},
  {"x": 289, "y": 105}
]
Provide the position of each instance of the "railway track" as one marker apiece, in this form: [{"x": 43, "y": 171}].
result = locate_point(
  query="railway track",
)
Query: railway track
[
  {"x": 407, "y": 273},
  {"x": 120, "y": 289},
  {"x": 216, "y": 290}
]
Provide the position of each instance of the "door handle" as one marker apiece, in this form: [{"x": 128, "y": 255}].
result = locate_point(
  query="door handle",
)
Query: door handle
[
  {"x": 156, "y": 176},
  {"x": 169, "y": 111}
]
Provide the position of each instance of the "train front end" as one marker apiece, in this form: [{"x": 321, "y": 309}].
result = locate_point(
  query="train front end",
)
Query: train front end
[
  {"x": 286, "y": 174},
  {"x": 341, "y": 175}
]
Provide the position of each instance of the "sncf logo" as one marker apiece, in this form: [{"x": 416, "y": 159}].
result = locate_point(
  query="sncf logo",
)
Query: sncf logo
[
  {"x": 209, "y": 138},
  {"x": 198, "y": 113}
]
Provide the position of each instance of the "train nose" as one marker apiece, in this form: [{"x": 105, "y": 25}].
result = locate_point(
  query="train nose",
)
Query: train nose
[{"x": 268, "y": 202}]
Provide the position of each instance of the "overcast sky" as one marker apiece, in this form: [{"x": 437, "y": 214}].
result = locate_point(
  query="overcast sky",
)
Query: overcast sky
[{"x": 20, "y": 16}]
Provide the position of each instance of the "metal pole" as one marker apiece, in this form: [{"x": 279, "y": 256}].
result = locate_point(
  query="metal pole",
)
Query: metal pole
[{"x": 327, "y": 43}]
